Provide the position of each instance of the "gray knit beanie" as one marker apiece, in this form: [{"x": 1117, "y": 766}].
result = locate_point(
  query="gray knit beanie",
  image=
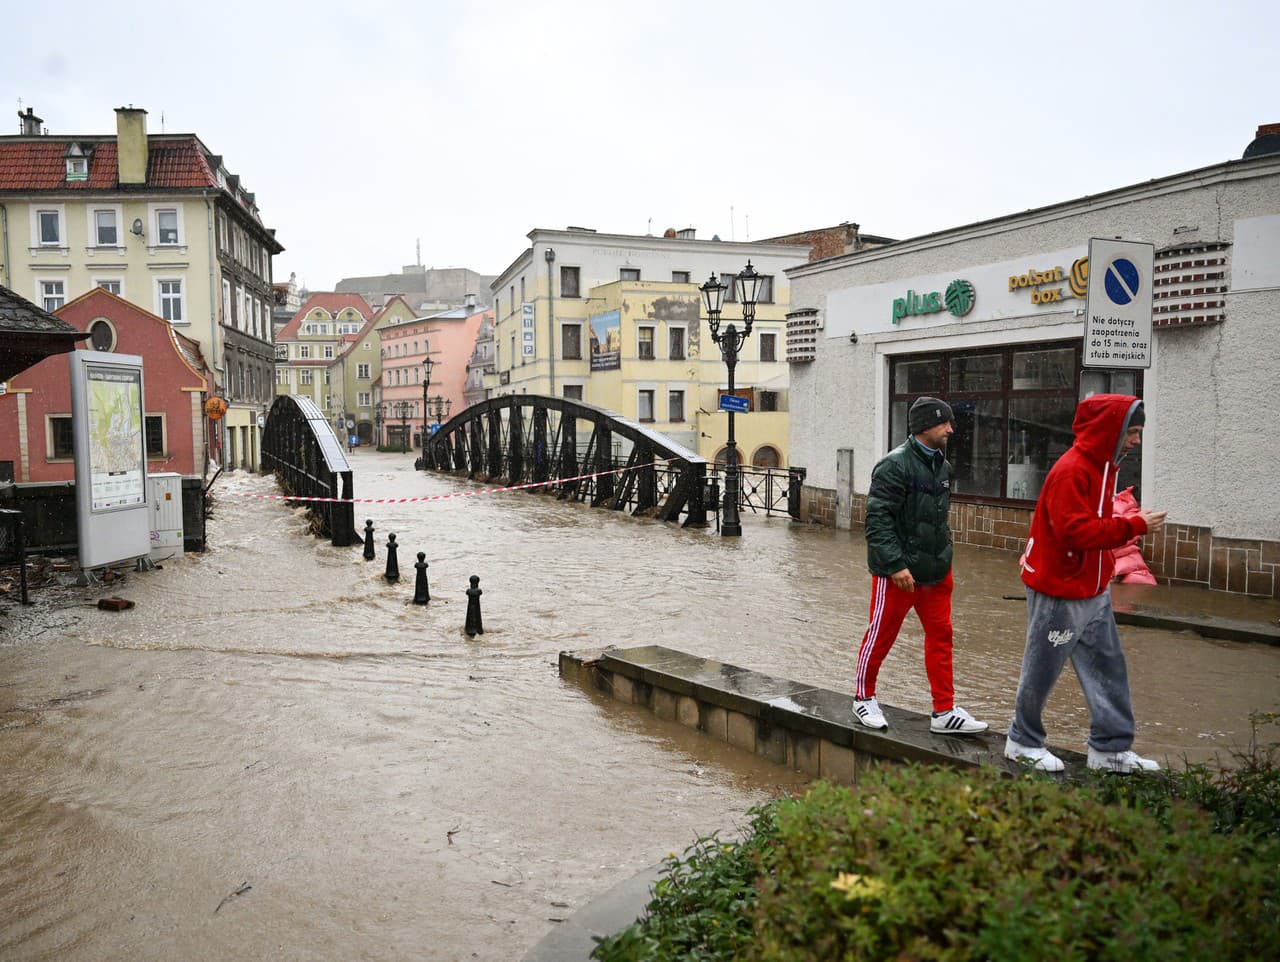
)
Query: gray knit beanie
[{"x": 928, "y": 412}]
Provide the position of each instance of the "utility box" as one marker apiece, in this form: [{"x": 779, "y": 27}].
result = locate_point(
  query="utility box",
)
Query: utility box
[{"x": 164, "y": 493}]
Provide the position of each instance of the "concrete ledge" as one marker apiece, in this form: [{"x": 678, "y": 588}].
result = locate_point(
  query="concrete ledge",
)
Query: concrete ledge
[
  {"x": 1207, "y": 626},
  {"x": 802, "y": 727}
]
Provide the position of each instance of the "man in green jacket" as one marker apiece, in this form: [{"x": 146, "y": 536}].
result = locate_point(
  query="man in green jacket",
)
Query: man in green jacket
[{"x": 909, "y": 555}]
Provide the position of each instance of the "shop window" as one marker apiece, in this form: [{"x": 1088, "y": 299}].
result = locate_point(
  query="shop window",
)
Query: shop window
[{"x": 1013, "y": 409}]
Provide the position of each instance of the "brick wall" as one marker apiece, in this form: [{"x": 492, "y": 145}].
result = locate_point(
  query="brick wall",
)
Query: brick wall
[{"x": 1180, "y": 554}]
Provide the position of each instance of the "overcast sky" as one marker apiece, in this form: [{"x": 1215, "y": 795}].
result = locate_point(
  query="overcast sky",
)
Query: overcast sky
[{"x": 365, "y": 128}]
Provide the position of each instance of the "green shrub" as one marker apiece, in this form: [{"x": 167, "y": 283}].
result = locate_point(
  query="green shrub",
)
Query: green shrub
[
  {"x": 938, "y": 864},
  {"x": 933, "y": 864}
]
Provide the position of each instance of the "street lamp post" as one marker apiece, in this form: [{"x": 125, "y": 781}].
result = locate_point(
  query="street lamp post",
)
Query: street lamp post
[
  {"x": 730, "y": 342},
  {"x": 427, "y": 365},
  {"x": 377, "y": 424}
]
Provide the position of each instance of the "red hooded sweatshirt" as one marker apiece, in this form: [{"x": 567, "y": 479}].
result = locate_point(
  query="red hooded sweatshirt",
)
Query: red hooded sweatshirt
[{"x": 1072, "y": 531}]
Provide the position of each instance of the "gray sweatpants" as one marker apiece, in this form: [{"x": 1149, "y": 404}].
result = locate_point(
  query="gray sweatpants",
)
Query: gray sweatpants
[{"x": 1084, "y": 632}]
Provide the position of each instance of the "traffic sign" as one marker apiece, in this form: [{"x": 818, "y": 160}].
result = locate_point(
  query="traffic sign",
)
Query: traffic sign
[
  {"x": 731, "y": 402},
  {"x": 435, "y": 428},
  {"x": 1117, "y": 327}
]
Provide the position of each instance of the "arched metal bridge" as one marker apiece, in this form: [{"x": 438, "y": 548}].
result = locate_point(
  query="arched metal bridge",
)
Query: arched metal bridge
[{"x": 577, "y": 451}]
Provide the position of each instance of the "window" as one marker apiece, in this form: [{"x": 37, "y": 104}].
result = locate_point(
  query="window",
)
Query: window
[
  {"x": 680, "y": 277},
  {"x": 226, "y": 302},
  {"x": 573, "y": 392},
  {"x": 77, "y": 168},
  {"x": 362, "y": 371},
  {"x": 675, "y": 343},
  {"x": 629, "y": 274},
  {"x": 114, "y": 286},
  {"x": 304, "y": 376},
  {"x": 675, "y": 405},
  {"x": 154, "y": 428},
  {"x": 1013, "y": 406},
  {"x": 764, "y": 293},
  {"x": 730, "y": 282},
  {"x": 571, "y": 342},
  {"x": 768, "y": 400},
  {"x": 304, "y": 351},
  {"x": 768, "y": 346},
  {"x": 364, "y": 399},
  {"x": 106, "y": 230},
  {"x": 644, "y": 343},
  {"x": 328, "y": 351},
  {"x": 102, "y": 335},
  {"x": 167, "y": 226},
  {"x": 569, "y": 278},
  {"x": 644, "y": 405},
  {"x": 59, "y": 438},
  {"x": 170, "y": 293},
  {"x": 53, "y": 294},
  {"x": 49, "y": 227}
]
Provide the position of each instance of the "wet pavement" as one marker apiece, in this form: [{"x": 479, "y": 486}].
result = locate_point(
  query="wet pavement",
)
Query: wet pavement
[{"x": 272, "y": 714}]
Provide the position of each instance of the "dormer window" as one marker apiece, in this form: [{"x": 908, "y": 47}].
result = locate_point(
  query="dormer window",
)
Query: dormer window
[{"x": 77, "y": 163}]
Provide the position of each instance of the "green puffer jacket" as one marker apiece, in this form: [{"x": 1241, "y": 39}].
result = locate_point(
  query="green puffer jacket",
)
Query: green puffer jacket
[{"x": 907, "y": 514}]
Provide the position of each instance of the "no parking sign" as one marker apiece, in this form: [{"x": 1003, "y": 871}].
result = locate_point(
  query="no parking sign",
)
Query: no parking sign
[{"x": 1117, "y": 327}]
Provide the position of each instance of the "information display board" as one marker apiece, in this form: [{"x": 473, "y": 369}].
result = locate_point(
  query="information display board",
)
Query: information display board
[{"x": 109, "y": 445}]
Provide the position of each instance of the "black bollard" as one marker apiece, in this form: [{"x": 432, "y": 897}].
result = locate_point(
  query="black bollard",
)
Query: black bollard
[
  {"x": 474, "y": 627},
  {"x": 368, "y": 540},
  {"x": 393, "y": 566},
  {"x": 420, "y": 593}
]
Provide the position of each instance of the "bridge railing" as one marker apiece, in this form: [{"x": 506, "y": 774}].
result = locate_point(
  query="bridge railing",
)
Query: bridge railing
[
  {"x": 575, "y": 451},
  {"x": 300, "y": 449}
]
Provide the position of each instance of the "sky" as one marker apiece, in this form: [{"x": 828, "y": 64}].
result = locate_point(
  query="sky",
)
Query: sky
[{"x": 367, "y": 130}]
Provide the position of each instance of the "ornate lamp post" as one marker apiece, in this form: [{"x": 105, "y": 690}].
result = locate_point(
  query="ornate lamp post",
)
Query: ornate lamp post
[
  {"x": 730, "y": 342},
  {"x": 427, "y": 365}
]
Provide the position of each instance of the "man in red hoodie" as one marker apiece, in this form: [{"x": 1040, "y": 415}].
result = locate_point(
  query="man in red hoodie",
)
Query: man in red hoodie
[{"x": 1067, "y": 569}]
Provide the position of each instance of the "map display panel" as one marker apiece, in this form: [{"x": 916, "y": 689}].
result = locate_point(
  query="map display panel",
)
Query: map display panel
[{"x": 117, "y": 450}]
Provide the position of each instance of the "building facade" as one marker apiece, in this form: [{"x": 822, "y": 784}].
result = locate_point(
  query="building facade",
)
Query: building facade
[
  {"x": 613, "y": 320},
  {"x": 158, "y": 220},
  {"x": 873, "y": 330},
  {"x": 35, "y": 408}
]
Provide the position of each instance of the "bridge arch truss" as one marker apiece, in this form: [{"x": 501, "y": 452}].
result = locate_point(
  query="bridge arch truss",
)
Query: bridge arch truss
[{"x": 576, "y": 451}]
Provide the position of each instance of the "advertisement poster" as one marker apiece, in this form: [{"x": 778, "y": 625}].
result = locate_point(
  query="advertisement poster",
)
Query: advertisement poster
[
  {"x": 117, "y": 452},
  {"x": 606, "y": 341}
]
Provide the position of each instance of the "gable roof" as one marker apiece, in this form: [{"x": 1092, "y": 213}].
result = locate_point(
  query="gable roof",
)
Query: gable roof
[
  {"x": 29, "y": 334},
  {"x": 330, "y": 303}
]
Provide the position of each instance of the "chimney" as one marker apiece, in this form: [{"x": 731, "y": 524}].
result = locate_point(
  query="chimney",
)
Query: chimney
[
  {"x": 470, "y": 301},
  {"x": 30, "y": 123},
  {"x": 131, "y": 145}
]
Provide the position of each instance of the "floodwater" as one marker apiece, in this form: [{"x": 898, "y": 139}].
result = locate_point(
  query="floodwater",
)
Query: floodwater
[{"x": 275, "y": 756}]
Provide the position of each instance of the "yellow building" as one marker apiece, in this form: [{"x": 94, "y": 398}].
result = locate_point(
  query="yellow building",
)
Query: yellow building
[{"x": 617, "y": 321}]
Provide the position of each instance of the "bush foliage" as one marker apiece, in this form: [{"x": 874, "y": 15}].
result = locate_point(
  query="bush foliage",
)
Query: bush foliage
[{"x": 938, "y": 864}]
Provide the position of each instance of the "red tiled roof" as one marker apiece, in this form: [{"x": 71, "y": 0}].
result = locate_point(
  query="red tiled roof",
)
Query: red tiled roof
[
  {"x": 327, "y": 301},
  {"x": 41, "y": 164}
]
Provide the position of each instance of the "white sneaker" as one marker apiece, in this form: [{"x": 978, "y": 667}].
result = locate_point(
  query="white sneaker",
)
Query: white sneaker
[
  {"x": 1122, "y": 763},
  {"x": 1041, "y": 758},
  {"x": 957, "y": 721},
  {"x": 867, "y": 711}
]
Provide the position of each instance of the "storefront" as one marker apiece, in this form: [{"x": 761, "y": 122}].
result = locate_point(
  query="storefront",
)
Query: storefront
[{"x": 991, "y": 316}]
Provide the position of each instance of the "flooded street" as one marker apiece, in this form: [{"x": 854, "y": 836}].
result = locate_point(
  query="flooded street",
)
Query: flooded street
[{"x": 273, "y": 719}]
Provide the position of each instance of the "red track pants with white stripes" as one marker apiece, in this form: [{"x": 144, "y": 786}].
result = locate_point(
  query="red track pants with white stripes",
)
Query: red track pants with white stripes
[{"x": 889, "y": 606}]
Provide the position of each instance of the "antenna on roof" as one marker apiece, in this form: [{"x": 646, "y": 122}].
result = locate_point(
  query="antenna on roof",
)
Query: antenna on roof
[
  {"x": 418, "y": 246},
  {"x": 162, "y": 121}
]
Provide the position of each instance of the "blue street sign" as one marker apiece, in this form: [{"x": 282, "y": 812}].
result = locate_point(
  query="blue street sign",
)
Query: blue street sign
[
  {"x": 731, "y": 402},
  {"x": 435, "y": 428}
]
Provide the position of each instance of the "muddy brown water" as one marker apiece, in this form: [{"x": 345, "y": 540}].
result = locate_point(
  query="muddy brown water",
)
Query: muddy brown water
[{"x": 272, "y": 719}]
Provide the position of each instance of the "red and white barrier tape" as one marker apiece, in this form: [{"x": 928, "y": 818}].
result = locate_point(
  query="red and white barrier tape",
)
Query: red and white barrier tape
[{"x": 456, "y": 494}]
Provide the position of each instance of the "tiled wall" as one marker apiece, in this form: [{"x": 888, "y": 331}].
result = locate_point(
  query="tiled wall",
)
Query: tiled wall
[{"x": 1180, "y": 554}]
